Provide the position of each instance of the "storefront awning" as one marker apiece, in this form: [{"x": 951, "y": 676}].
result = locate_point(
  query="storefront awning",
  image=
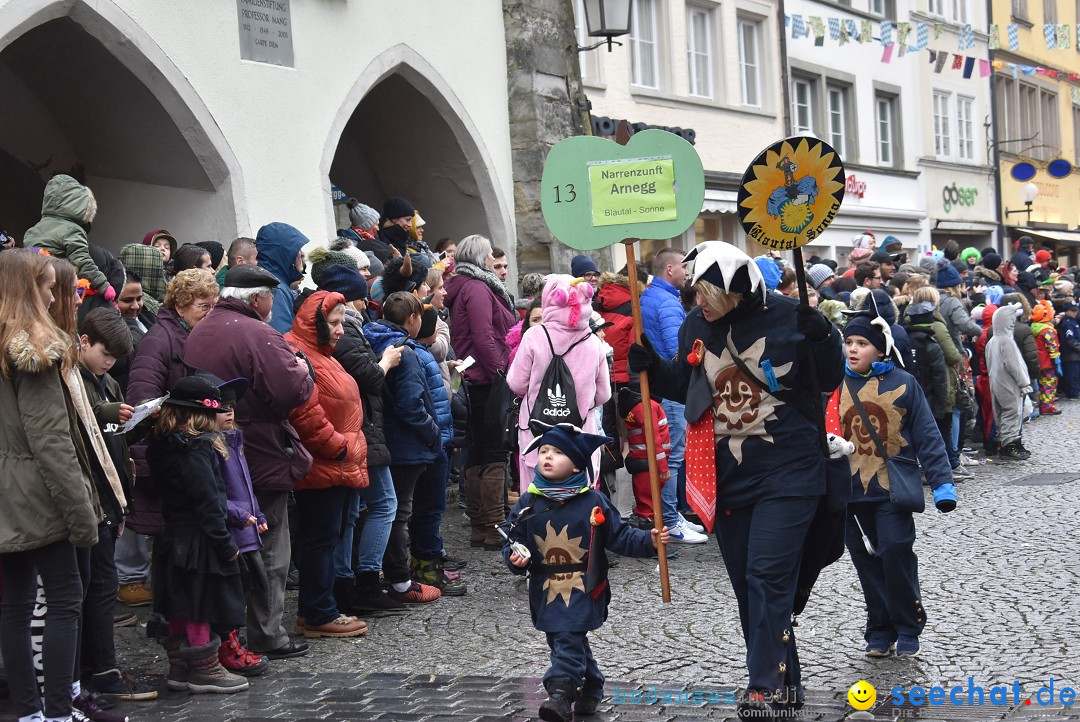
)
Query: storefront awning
[
  {"x": 718, "y": 201},
  {"x": 1068, "y": 238},
  {"x": 965, "y": 227}
]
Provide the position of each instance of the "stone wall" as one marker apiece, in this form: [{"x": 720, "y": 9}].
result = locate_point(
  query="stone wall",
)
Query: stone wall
[{"x": 547, "y": 104}]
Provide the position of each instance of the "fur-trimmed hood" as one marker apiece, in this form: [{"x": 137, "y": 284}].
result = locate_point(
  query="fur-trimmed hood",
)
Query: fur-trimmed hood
[
  {"x": 69, "y": 199},
  {"x": 26, "y": 359}
]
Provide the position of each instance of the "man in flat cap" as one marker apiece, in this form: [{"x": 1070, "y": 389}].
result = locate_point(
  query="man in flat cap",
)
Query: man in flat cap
[{"x": 235, "y": 340}]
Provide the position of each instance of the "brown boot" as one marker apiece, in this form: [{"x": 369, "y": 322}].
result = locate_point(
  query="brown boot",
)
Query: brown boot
[
  {"x": 178, "y": 667},
  {"x": 493, "y": 482},
  {"x": 343, "y": 626},
  {"x": 474, "y": 505},
  {"x": 205, "y": 673}
]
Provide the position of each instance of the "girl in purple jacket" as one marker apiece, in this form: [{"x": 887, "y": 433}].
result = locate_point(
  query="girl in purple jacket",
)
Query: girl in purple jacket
[{"x": 245, "y": 522}]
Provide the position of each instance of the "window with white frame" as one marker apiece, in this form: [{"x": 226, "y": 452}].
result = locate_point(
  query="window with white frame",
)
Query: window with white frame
[
  {"x": 883, "y": 8},
  {"x": 837, "y": 104},
  {"x": 644, "y": 44},
  {"x": 1049, "y": 127},
  {"x": 886, "y": 132},
  {"x": 590, "y": 70},
  {"x": 699, "y": 50},
  {"x": 1020, "y": 9},
  {"x": 965, "y": 128},
  {"x": 802, "y": 105},
  {"x": 1029, "y": 120},
  {"x": 1006, "y": 112},
  {"x": 937, "y": 7},
  {"x": 942, "y": 123},
  {"x": 750, "y": 55},
  {"x": 959, "y": 9}
]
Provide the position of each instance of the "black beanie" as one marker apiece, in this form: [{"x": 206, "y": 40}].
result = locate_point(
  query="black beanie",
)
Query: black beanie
[
  {"x": 861, "y": 325},
  {"x": 991, "y": 261},
  {"x": 397, "y": 207},
  {"x": 216, "y": 251}
]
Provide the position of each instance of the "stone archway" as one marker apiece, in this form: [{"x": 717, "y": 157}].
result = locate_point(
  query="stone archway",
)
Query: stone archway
[
  {"x": 402, "y": 131},
  {"x": 88, "y": 92}
]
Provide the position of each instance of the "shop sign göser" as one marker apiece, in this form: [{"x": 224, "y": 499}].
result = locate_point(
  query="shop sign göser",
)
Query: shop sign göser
[{"x": 951, "y": 196}]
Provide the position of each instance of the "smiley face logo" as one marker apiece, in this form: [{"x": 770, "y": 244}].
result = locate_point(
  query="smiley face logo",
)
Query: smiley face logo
[{"x": 862, "y": 695}]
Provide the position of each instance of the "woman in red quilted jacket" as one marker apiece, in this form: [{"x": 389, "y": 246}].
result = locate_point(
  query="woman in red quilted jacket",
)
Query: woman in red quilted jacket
[{"x": 329, "y": 425}]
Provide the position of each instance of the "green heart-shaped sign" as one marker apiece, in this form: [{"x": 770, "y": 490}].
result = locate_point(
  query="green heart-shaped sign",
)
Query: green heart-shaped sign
[{"x": 596, "y": 192}]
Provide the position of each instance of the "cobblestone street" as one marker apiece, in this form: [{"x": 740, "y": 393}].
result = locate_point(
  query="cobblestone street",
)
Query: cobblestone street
[{"x": 999, "y": 579}]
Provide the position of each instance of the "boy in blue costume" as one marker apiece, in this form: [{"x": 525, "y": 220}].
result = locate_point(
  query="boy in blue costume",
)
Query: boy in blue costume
[
  {"x": 881, "y": 524},
  {"x": 566, "y": 524}
]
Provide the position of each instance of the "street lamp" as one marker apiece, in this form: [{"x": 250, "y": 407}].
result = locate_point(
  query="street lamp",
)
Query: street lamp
[
  {"x": 606, "y": 19},
  {"x": 1029, "y": 193}
]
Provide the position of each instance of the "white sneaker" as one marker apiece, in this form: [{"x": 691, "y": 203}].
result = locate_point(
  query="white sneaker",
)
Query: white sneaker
[
  {"x": 684, "y": 535},
  {"x": 966, "y": 460},
  {"x": 691, "y": 525},
  {"x": 961, "y": 473}
]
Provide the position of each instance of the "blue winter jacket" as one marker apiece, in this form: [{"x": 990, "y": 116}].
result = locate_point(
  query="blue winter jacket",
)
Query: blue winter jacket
[
  {"x": 410, "y": 421},
  {"x": 444, "y": 417},
  {"x": 662, "y": 316},
  {"x": 278, "y": 244},
  {"x": 906, "y": 426}
]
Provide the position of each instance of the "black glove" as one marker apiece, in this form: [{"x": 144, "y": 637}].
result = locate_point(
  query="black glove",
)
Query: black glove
[
  {"x": 812, "y": 324},
  {"x": 641, "y": 357}
]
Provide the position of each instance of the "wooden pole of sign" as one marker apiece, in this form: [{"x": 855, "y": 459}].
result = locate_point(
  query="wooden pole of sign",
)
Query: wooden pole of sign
[{"x": 650, "y": 422}]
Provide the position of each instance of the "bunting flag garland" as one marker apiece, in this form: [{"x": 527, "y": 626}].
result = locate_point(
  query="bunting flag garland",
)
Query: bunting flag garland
[
  {"x": 834, "y": 30},
  {"x": 969, "y": 66},
  {"x": 1063, "y": 41},
  {"x": 886, "y": 33},
  {"x": 852, "y": 30},
  {"x": 994, "y": 41},
  {"x": 922, "y": 36},
  {"x": 818, "y": 26},
  {"x": 867, "y": 34},
  {"x": 938, "y": 27},
  {"x": 967, "y": 38},
  {"x": 798, "y": 28},
  {"x": 942, "y": 58},
  {"x": 1014, "y": 37},
  {"x": 902, "y": 32},
  {"x": 1050, "y": 33},
  {"x": 886, "y": 54},
  {"x": 957, "y": 61},
  {"x": 1074, "y": 92},
  {"x": 984, "y": 68}
]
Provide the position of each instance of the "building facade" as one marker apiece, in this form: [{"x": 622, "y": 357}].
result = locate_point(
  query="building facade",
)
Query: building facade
[
  {"x": 214, "y": 118},
  {"x": 1037, "y": 99},
  {"x": 704, "y": 69}
]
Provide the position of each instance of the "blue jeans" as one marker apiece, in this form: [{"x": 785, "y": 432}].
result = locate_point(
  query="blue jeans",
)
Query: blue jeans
[
  {"x": 572, "y": 660},
  {"x": 429, "y": 503},
  {"x": 889, "y": 578},
  {"x": 320, "y": 516},
  {"x": 381, "y": 502},
  {"x": 132, "y": 557},
  {"x": 669, "y": 494}
]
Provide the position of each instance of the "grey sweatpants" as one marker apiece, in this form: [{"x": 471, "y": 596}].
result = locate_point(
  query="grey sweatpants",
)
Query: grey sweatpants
[
  {"x": 264, "y": 628},
  {"x": 1008, "y": 414}
]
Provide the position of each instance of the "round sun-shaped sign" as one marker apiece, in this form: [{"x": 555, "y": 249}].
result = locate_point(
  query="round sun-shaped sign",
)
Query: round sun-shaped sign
[{"x": 791, "y": 193}]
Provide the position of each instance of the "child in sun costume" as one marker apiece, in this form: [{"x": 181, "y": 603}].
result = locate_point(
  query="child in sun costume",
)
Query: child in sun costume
[
  {"x": 566, "y": 525},
  {"x": 882, "y": 408}
]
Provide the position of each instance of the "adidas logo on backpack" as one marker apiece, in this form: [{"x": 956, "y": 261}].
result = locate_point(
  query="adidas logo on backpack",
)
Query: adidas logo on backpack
[{"x": 556, "y": 403}]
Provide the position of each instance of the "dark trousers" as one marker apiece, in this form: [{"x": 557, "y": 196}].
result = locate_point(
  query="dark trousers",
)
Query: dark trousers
[
  {"x": 889, "y": 578},
  {"x": 1071, "y": 379},
  {"x": 944, "y": 425},
  {"x": 484, "y": 447},
  {"x": 320, "y": 518},
  {"x": 396, "y": 558},
  {"x": 762, "y": 547},
  {"x": 429, "y": 504},
  {"x": 59, "y": 570},
  {"x": 572, "y": 661},
  {"x": 98, "y": 650}
]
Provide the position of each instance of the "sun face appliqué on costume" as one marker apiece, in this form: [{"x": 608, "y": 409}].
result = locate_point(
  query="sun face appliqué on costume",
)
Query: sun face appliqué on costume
[
  {"x": 741, "y": 408},
  {"x": 887, "y": 420},
  {"x": 558, "y": 549}
]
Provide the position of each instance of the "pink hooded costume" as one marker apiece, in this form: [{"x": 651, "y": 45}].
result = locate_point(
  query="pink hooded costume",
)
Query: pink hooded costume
[{"x": 566, "y": 310}]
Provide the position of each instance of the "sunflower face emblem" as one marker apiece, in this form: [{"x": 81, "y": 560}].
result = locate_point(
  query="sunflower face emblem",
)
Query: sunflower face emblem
[
  {"x": 791, "y": 193},
  {"x": 887, "y": 419},
  {"x": 740, "y": 408},
  {"x": 558, "y": 548}
]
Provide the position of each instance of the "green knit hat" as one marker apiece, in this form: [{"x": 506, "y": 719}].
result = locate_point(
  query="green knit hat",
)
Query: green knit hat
[{"x": 322, "y": 258}]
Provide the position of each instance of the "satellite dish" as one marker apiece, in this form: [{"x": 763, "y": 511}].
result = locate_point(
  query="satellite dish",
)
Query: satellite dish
[
  {"x": 1023, "y": 171},
  {"x": 1059, "y": 168}
]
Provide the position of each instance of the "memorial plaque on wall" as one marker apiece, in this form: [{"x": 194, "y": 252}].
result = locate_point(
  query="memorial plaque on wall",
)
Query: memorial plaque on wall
[{"x": 265, "y": 31}]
